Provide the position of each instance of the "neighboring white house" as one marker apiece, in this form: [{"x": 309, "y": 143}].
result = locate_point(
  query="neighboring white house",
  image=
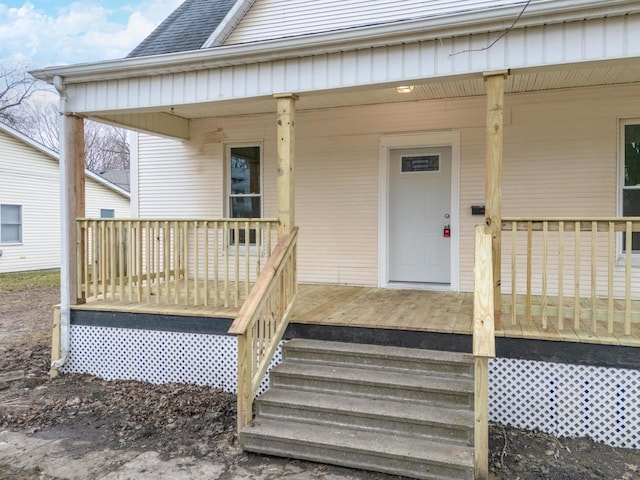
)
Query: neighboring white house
[{"x": 30, "y": 203}]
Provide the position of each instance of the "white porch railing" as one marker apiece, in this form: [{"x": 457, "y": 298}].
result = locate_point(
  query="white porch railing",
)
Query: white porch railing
[{"x": 180, "y": 262}]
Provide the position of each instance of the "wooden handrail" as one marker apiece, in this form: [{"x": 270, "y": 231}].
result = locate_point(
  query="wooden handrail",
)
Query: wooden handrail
[
  {"x": 483, "y": 347},
  {"x": 264, "y": 283},
  {"x": 182, "y": 220},
  {"x": 585, "y": 223},
  {"x": 262, "y": 321}
]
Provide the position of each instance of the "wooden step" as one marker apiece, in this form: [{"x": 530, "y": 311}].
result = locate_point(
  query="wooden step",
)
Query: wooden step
[
  {"x": 374, "y": 383},
  {"x": 413, "y": 419},
  {"x": 369, "y": 450},
  {"x": 373, "y": 356}
]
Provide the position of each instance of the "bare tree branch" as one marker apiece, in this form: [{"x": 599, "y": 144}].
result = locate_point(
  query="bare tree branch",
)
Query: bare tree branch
[
  {"x": 16, "y": 87},
  {"x": 106, "y": 147}
]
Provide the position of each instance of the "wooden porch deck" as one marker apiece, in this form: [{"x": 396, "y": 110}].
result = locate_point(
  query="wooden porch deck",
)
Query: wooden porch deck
[{"x": 417, "y": 310}]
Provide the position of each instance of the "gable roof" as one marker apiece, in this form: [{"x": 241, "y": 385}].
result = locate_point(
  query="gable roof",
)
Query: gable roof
[
  {"x": 187, "y": 28},
  {"x": 12, "y": 132}
]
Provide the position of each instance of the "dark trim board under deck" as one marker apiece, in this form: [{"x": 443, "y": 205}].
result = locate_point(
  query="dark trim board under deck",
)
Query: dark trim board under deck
[
  {"x": 150, "y": 321},
  {"x": 527, "y": 349}
]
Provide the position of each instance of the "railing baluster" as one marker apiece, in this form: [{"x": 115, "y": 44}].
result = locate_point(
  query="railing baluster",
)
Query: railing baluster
[
  {"x": 130, "y": 258},
  {"x": 627, "y": 277},
  {"x": 177, "y": 263},
  {"x": 594, "y": 276},
  {"x": 85, "y": 259},
  {"x": 147, "y": 230},
  {"x": 259, "y": 233},
  {"x": 545, "y": 241},
  {"x": 139, "y": 253},
  {"x": 576, "y": 311},
  {"x": 206, "y": 263},
  {"x": 157, "y": 260},
  {"x": 216, "y": 264},
  {"x": 561, "y": 275},
  {"x": 185, "y": 260},
  {"x": 121, "y": 258},
  {"x": 166, "y": 260},
  {"x": 225, "y": 246},
  {"x": 236, "y": 275},
  {"x": 196, "y": 261},
  {"x": 103, "y": 259},
  {"x": 79, "y": 262},
  {"x": 611, "y": 265},
  {"x": 514, "y": 272},
  {"x": 247, "y": 257},
  {"x": 529, "y": 254}
]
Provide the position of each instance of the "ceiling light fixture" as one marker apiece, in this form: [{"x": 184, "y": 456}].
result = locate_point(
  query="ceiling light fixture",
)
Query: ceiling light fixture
[{"x": 404, "y": 89}]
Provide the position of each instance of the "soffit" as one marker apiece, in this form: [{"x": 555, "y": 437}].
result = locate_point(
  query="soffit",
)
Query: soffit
[{"x": 533, "y": 80}]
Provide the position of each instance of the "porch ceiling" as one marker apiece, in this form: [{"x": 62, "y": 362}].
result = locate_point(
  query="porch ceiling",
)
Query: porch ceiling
[{"x": 519, "y": 81}]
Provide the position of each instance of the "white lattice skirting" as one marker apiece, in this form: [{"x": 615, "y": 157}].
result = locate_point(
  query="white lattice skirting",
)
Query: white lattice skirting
[{"x": 561, "y": 399}]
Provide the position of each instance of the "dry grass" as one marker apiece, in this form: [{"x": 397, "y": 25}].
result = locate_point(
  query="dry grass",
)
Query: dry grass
[{"x": 29, "y": 281}]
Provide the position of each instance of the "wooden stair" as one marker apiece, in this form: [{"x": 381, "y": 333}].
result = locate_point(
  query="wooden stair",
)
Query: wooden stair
[{"x": 395, "y": 410}]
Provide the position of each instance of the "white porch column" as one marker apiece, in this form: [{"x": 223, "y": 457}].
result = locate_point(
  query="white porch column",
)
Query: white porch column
[
  {"x": 286, "y": 162},
  {"x": 494, "y": 82},
  {"x": 72, "y": 204}
]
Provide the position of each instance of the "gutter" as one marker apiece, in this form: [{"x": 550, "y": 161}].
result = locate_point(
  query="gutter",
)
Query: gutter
[
  {"x": 65, "y": 307},
  {"x": 422, "y": 29}
]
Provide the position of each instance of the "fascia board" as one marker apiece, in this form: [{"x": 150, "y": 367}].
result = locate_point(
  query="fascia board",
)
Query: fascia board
[
  {"x": 230, "y": 21},
  {"x": 344, "y": 40}
]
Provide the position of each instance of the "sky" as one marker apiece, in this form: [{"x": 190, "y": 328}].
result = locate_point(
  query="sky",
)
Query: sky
[{"x": 40, "y": 33}]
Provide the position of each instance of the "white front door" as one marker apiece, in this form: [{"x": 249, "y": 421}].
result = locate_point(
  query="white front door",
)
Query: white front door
[{"x": 419, "y": 213}]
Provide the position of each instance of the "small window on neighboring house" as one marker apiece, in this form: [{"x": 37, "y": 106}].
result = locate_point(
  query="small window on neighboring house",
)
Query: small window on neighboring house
[
  {"x": 107, "y": 213},
  {"x": 631, "y": 181},
  {"x": 244, "y": 185},
  {"x": 10, "y": 224}
]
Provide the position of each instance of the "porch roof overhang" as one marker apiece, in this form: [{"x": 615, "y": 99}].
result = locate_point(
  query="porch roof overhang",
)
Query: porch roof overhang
[{"x": 569, "y": 45}]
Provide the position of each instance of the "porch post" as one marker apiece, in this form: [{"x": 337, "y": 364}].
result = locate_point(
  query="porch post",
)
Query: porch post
[
  {"x": 72, "y": 197},
  {"x": 286, "y": 162},
  {"x": 494, "y": 82}
]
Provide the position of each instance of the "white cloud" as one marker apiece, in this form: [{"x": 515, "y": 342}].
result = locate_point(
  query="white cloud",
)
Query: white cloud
[{"x": 78, "y": 32}]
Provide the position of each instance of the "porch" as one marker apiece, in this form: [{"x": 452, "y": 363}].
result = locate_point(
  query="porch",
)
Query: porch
[
  {"x": 562, "y": 279},
  {"x": 408, "y": 310}
]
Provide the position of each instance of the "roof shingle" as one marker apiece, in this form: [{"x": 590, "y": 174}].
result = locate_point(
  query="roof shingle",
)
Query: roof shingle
[{"x": 187, "y": 28}]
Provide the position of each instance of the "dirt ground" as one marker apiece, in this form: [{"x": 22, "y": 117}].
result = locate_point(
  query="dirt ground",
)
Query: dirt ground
[{"x": 180, "y": 420}]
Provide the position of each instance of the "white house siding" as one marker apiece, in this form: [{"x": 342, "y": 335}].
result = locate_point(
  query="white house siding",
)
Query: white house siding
[
  {"x": 560, "y": 158},
  {"x": 548, "y": 45},
  {"x": 99, "y": 196},
  {"x": 269, "y": 19},
  {"x": 30, "y": 178}
]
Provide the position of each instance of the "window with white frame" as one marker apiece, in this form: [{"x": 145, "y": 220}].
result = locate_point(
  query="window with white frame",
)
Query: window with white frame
[
  {"x": 10, "y": 223},
  {"x": 630, "y": 201},
  {"x": 107, "y": 213},
  {"x": 244, "y": 185}
]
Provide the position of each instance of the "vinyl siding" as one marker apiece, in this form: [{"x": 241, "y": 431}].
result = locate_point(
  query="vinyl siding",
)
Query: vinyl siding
[
  {"x": 271, "y": 19},
  {"x": 548, "y": 45},
  {"x": 560, "y": 158},
  {"x": 30, "y": 178}
]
